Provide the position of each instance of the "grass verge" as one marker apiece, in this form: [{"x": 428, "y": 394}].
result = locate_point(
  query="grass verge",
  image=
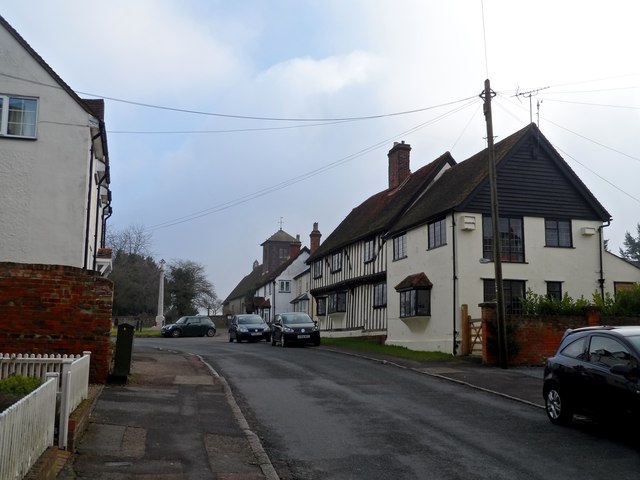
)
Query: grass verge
[{"x": 364, "y": 345}]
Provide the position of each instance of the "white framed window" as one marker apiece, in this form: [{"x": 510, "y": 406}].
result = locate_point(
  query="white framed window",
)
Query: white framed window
[
  {"x": 285, "y": 286},
  {"x": 437, "y": 233},
  {"x": 18, "y": 116}
]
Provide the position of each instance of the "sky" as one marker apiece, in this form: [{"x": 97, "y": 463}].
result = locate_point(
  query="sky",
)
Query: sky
[{"x": 228, "y": 119}]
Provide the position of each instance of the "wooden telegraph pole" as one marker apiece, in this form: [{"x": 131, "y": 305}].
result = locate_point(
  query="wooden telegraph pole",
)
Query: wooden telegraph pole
[{"x": 503, "y": 357}]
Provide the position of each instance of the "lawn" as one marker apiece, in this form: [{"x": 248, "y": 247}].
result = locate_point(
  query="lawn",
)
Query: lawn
[{"x": 365, "y": 345}]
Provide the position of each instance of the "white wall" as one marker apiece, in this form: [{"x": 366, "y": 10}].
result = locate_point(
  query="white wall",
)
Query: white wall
[
  {"x": 578, "y": 268},
  {"x": 43, "y": 182}
]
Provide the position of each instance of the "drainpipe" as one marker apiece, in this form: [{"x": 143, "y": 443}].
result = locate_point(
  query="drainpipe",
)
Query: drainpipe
[
  {"x": 601, "y": 250},
  {"x": 88, "y": 220},
  {"x": 274, "y": 299},
  {"x": 455, "y": 282}
]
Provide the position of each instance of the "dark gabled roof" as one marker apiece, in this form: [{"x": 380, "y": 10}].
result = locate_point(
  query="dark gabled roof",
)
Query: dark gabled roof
[
  {"x": 462, "y": 186},
  {"x": 279, "y": 236},
  {"x": 375, "y": 214},
  {"x": 246, "y": 285},
  {"x": 257, "y": 278},
  {"x": 46, "y": 67},
  {"x": 417, "y": 280}
]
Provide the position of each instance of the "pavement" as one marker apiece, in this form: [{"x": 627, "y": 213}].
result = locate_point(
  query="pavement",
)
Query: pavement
[{"x": 176, "y": 418}]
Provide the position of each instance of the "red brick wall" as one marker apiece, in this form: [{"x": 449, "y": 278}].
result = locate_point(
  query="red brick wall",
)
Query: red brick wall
[
  {"x": 56, "y": 309},
  {"x": 538, "y": 337}
]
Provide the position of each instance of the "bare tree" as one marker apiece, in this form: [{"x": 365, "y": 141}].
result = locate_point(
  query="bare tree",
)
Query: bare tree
[
  {"x": 189, "y": 288},
  {"x": 133, "y": 240}
]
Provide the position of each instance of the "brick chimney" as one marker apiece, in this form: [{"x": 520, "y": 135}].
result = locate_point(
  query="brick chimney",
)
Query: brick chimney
[
  {"x": 314, "y": 238},
  {"x": 398, "y": 164},
  {"x": 294, "y": 247}
]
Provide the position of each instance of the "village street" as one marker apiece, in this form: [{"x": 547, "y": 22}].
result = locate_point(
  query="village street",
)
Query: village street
[{"x": 323, "y": 415}]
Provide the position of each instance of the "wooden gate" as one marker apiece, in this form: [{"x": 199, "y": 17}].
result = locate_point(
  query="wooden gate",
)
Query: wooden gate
[{"x": 471, "y": 333}]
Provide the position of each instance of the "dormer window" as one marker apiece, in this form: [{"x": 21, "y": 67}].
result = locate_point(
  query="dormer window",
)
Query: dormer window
[{"x": 18, "y": 116}]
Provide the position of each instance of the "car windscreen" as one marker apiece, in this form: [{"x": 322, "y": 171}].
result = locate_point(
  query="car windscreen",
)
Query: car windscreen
[
  {"x": 296, "y": 318},
  {"x": 635, "y": 341},
  {"x": 250, "y": 320},
  {"x": 181, "y": 320}
]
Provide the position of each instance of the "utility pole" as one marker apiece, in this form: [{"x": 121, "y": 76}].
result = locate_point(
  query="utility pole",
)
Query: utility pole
[{"x": 503, "y": 354}]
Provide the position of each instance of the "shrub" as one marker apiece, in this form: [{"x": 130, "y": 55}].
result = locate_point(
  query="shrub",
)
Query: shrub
[
  {"x": 626, "y": 303},
  {"x": 19, "y": 384},
  {"x": 536, "y": 304}
]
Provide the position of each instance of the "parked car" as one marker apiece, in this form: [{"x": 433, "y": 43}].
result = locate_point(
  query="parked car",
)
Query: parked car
[
  {"x": 595, "y": 372},
  {"x": 191, "y": 326},
  {"x": 248, "y": 327},
  {"x": 295, "y": 327}
]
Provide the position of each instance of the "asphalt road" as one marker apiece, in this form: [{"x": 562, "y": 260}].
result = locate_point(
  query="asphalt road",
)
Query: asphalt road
[{"x": 322, "y": 415}]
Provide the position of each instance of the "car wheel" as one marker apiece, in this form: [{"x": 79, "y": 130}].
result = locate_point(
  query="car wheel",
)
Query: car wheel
[
  {"x": 557, "y": 406},
  {"x": 238, "y": 339},
  {"x": 176, "y": 333},
  {"x": 211, "y": 332},
  {"x": 316, "y": 343},
  {"x": 230, "y": 339}
]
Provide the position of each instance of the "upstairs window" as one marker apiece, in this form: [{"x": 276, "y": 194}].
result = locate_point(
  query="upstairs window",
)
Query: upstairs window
[
  {"x": 18, "y": 116},
  {"x": 437, "y": 233},
  {"x": 336, "y": 262},
  {"x": 369, "y": 253},
  {"x": 317, "y": 269},
  {"x": 400, "y": 246},
  {"x": 557, "y": 233},
  {"x": 285, "y": 286},
  {"x": 511, "y": 233}
]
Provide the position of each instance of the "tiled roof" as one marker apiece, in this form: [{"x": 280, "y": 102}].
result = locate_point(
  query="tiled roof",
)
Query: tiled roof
[
  {"x": 280, "y": 236},
  {"x": 257, "y": 278},
  {"x": 379, "y": 211}
]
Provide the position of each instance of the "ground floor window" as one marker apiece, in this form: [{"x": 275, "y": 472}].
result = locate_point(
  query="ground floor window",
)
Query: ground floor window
[
  {"x": 554, "y": 290},
  {"x": 337, "y": 302},
  {"x": 415, "y": 303},
  {"x": 380, "y": 294},
  {"x": 513, "y": 293},
  {"x": 322, "y": 305}
]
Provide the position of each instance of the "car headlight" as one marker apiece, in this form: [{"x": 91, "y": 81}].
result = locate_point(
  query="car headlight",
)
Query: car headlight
[
  {"x": 266, "y": 328},
  {"x": 243, "y": 329},
  {"x": 315, "y": 328},
  {"x": 287, "y": 329}
]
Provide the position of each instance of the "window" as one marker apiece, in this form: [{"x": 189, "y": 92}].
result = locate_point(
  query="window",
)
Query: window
[
  {"x": 437, "y": 233},
  {"x": 575, "y": 349},
  {"x": 554, "y": 290},
  {"x": 380, "y": 294},
  {"x": 511, "y": 239},
  {"x": 322, "y": 305},
  {"x": 369, "y": 253},
  {"x": 338, "y": 302},
  {"x": 18, "y": 116},
  {"x": 415, "y": 302},
  {"x": 336, "y": 262},
  {"x": 283, "y": 253},
  {"x": 317, "y": 269},
  {"x": 285, "y": 286},
  {"x": 400, "y": 246},
  {"x": 608, "y": 352},
  {"x": 557, "y": 233},
  {"x": 513, "y": 293}
]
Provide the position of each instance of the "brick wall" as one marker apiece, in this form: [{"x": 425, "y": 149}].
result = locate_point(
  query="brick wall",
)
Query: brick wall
[
  {"x": 538, "y": 337},
  {"x": 56, "y": 309}
]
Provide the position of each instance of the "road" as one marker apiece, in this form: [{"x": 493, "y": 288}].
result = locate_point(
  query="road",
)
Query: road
[{"x": 323, "y": 415}]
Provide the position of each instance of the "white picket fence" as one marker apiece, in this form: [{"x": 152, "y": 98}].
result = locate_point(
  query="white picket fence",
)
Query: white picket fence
[
  {"x": 27, "y": 429},
  {"x": 71, "y": 386}
]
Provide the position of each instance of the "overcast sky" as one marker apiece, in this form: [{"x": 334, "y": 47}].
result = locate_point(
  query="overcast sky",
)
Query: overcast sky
[{"x": 214, "y": 196}]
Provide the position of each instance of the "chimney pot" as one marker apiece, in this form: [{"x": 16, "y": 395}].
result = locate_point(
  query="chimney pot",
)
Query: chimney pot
[{"x": 399, "y": 165}]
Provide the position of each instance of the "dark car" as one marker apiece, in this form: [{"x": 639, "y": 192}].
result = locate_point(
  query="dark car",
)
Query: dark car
[
  {"x": 192, "y": 326},
  {"x": 248, "y": 327},
  {"x": 595, "y": 372},
  {"x": 295, "y": 327}
]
